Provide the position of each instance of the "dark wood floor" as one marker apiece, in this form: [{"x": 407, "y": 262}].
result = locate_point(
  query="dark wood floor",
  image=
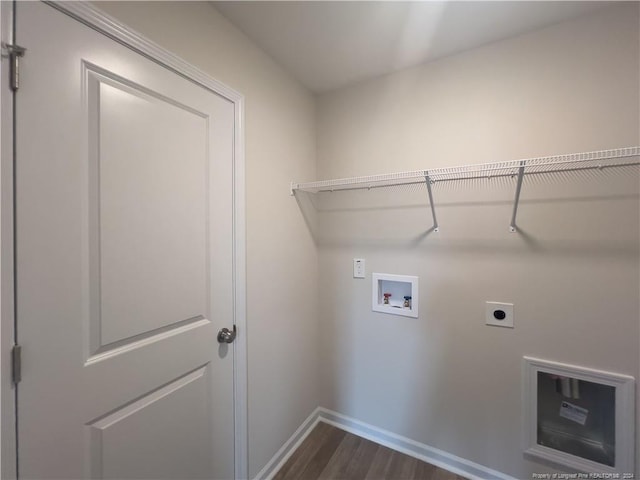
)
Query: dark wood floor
[{"x": 330, "y": 453}]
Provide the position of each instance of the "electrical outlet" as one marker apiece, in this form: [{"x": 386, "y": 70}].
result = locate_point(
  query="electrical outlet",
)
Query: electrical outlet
[
  {"x": 499, "y": 314},
  {"x": 358, "y": 268}
]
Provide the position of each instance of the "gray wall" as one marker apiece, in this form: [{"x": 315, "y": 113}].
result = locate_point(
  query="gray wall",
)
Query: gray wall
[
  {"x": 281, "y": 256},
  {"x": 446, "y": 379}
]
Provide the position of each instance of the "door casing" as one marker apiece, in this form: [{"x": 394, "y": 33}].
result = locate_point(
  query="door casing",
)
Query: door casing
[{"x": 96, "y": 19}]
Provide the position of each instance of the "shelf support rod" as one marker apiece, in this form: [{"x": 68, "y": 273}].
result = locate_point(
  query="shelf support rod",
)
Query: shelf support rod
[
  {"x": 433, "y": 208},
  {"x": 512, "y": 226}
]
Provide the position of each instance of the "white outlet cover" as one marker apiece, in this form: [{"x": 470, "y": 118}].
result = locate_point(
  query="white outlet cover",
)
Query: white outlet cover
[
  {"x": 495, "y": 317},
  {"x": 359, "y": 268}
]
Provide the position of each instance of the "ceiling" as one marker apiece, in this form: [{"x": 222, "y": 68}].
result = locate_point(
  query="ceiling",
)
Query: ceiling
[{"x": 331, "y": 44}]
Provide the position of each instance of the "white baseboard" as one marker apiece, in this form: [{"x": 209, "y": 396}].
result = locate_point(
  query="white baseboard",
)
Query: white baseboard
[
  {"x": 434, "y": 456},
  {"x": 275, "y": 464}
]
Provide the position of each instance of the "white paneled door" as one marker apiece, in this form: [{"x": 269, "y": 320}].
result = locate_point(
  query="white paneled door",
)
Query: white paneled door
[{"x": 124, "y": 271}]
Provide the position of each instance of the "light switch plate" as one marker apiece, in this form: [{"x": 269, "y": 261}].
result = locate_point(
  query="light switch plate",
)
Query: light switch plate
[
  {"x": 359, "y": 270},
  {"x": 499, "y": 314}
]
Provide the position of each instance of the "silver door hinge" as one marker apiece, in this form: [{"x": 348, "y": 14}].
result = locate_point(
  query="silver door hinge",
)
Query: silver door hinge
[
  {"x": 16, "y": 363},
  {"x": 14, "y": 52}
]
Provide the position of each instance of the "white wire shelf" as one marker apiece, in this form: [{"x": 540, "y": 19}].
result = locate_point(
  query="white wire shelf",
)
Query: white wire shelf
[{"x": 601, "y": 159}]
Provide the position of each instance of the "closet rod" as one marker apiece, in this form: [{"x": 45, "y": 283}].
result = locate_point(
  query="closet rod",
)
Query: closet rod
[
  {"x": 533, "y": 166},
  {"x": 557, "y": 164},
  {"x": 421, "y": 181}
]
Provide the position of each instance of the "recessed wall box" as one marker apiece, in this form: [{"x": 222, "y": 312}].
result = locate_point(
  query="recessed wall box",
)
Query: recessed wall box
[
  {"x": 579, "y": 418},
  {"x": 395, "y": 294}
]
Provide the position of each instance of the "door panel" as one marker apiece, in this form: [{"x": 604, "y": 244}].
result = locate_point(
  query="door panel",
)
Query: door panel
[
  {"x": 124, "y": 261},
  {"x": 150, "y": 250},
  {"x": 150, "y": 423}
]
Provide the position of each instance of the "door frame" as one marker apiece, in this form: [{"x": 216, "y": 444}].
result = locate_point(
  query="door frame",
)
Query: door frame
[{"x": 93, "y": 17}]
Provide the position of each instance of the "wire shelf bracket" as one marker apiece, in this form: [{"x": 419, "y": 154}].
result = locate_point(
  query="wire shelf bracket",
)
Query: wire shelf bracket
[
  {"x": 428, "y": 181},
  {"x": 565, "y": 163},
  {"x": 516, "y": 200}
]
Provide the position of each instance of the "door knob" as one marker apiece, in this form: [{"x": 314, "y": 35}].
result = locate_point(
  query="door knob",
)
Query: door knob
[{"x": 227, "y": 336}]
